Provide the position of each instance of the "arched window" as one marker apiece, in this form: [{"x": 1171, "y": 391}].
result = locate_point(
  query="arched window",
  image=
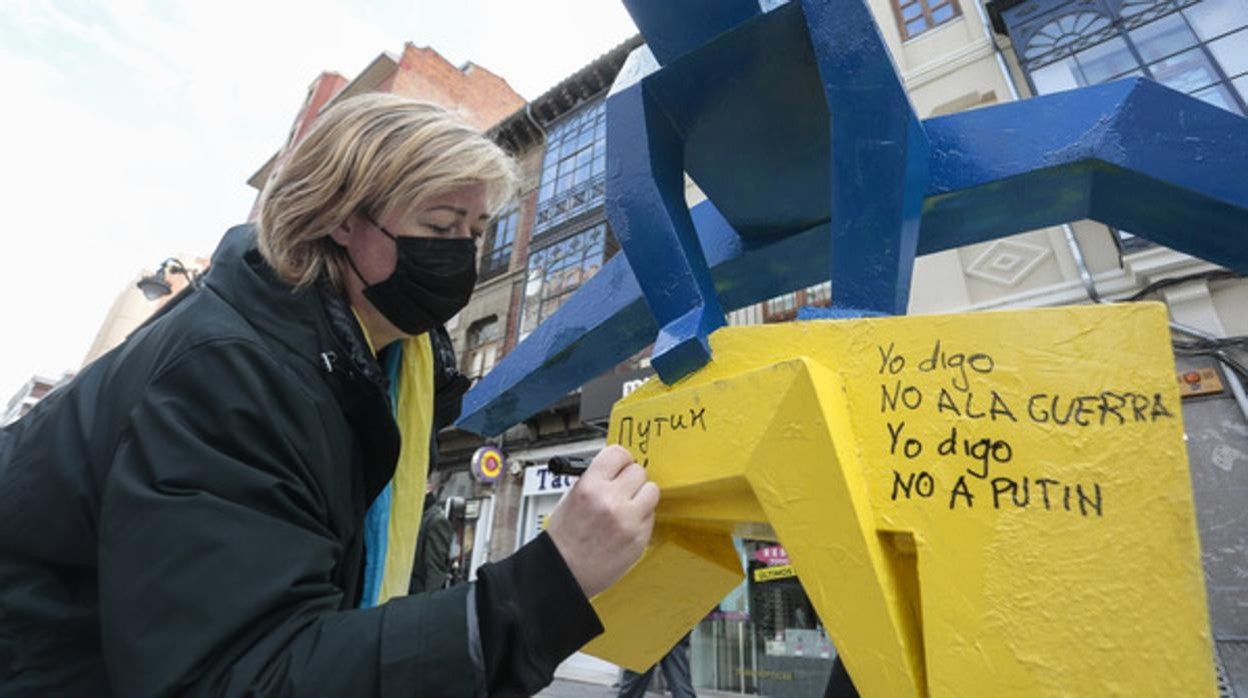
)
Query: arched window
[{"x": 1063, "y": 33}]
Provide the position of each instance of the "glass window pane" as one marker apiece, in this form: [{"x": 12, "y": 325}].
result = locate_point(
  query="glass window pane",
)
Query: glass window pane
[
  {"x": 1232, "y": 53},
  {"x": 1056, "y": 77},
  {"x": 1241, "y": 84},
  {"x": 1131, "y": 8},
  {"x": 911, "y": 11},
  {"x": 1216, "y": 17},
  {"x": 1219, "y": 96},
  {"x": 916, "y": 27},
  {"x": 1161, "y": 38},
  {"x": 942, "y": 14},
  {"x": 1186, "y": 72},
  {"x": 1105, "y": 59},
  {"x": 1137, "y": 73}
]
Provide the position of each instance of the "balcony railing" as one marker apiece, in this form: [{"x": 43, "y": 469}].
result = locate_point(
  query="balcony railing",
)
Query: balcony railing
[{"x": 569, "y": 204}]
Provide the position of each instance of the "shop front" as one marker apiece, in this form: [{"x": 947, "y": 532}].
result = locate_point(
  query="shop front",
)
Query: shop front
[{"x": 764, "y": 638}]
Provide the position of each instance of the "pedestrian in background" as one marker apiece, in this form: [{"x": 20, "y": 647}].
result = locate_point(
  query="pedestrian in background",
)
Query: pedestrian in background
[
  {"x": 433, "y": 547},
  {"x": 675, "y": 665}
]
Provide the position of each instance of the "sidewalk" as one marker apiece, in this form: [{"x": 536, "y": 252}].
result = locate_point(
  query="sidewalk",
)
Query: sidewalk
[{"x": 562, "y": 688}]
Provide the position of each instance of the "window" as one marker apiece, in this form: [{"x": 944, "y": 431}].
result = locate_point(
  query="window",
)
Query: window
[
  {"x": 1232, "y": 53},
  {"x": 1199, "y": 48},
  {"x": 1195, "y": 46},
  {"x": 557, "y": 270},
  {"x": 1064, "y": 32},
  {"x": 917, "y": 16},
  {"x": 496, "y": 256},
  {"x": 784, "y": 308},
  {"x": 1106, "y": 61},
  {"x": 1166, "y": 36},
  {"x": 484, "y": 341},
  {"x": 1213, "y": 18},
  {"x": 573, "y": 179},
  {"x": 780, "y": 308},
  {"x": 820, "y": 294}
]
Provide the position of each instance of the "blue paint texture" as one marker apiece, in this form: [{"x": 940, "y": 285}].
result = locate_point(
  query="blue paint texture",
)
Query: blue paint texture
[
  {"x": 795, "y": 124},
  {"x": 646, "y": 208}
]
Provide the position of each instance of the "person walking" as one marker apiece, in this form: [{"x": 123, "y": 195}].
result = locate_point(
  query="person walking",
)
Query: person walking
[{"x": 675, "y": 666}]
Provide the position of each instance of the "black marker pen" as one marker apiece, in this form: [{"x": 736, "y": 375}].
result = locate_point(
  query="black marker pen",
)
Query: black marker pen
[{"x": 568, "y": 465}]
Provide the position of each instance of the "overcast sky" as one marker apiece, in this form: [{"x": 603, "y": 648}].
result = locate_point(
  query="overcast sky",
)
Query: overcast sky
[{"x": 130, "y": 127}]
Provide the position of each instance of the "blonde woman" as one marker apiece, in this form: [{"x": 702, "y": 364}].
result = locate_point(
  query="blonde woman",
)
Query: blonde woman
[{"x": 227, "y": 503}]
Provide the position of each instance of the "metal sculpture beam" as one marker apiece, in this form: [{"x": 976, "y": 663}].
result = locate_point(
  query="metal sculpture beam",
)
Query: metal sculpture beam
[
  {"x": 1130, "y": 153},
  {"x": 794, "y": 122}
]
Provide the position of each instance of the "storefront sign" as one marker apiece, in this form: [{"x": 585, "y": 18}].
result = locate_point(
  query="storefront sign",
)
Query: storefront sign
[
  {"x": 599, "y": 395},
  {"x": 771, "y": 574},
  {"x": 539, "y": 480},
  {"x": 487, "y": 464},
  {"x": 772, "y": 555}
]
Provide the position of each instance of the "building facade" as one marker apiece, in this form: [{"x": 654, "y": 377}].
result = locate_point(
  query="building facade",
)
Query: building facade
[
  {"x": 481, "y": 97},
  {"x": 29, "y": 395},
  {"x": 132, "y": 307}
]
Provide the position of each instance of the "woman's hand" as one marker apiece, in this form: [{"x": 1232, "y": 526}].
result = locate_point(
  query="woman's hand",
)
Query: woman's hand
[{"x": 603, "y": 524}]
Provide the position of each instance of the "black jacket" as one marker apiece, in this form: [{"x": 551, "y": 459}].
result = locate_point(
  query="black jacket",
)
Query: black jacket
[
  {"x": 433, "y": 549},
  {"x": 186, "y": 518}
]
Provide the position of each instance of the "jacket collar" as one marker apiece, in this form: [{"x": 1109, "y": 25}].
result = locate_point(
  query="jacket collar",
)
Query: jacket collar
[
  {"x": 315, "y": 323},
  {"x": 317, "y": 326}
]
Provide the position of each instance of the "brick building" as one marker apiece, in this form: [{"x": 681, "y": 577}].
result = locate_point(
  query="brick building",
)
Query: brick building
[
  {"x": 28, "y": 396},
  {"x": 480, "y": 96}
]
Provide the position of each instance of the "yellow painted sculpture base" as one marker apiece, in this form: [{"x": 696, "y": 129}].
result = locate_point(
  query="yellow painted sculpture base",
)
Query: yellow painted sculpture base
[{"x": 989, "y": 504}]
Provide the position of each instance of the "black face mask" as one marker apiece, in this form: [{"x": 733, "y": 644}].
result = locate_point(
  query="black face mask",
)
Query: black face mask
[{"x": 432, "y": 280}]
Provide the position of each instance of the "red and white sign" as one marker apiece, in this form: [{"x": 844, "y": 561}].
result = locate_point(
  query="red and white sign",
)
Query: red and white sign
[{"x": 772, "y": 555}]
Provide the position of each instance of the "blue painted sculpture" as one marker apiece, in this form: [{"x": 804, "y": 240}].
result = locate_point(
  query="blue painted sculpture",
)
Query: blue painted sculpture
[{"x": 796, "y": 125}]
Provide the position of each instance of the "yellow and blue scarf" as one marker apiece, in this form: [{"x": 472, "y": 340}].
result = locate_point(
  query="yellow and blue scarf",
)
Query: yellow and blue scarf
[{"x": 393, "y": 519}]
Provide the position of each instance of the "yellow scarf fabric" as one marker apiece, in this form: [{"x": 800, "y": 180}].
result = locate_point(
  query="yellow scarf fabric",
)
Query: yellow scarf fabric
[
  {"x": 414, "y": 415},
  {"x": 413, "y": 412}
]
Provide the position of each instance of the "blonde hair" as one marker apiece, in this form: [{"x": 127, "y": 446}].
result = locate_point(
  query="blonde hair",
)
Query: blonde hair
[{"x": 375, "y": 154}]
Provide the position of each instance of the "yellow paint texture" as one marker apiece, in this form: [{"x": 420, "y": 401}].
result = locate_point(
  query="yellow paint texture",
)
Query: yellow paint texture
[{"x": 984, "y": 504}]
